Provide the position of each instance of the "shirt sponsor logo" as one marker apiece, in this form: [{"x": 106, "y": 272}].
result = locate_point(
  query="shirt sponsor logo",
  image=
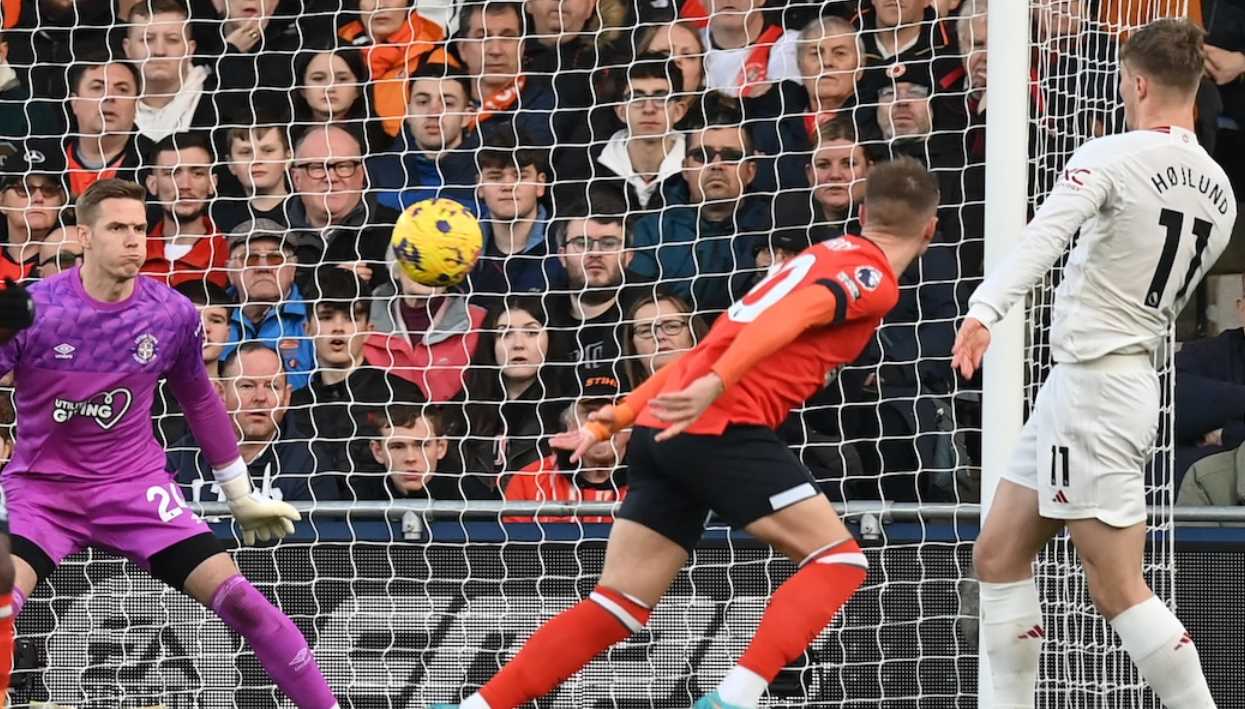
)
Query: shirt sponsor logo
[
  {"x": 849, "y": 284},
  {"x": 868, "y": 277},
  {"x": 64, "y": 351},
  {"x": 145, "y": 348},
  {"x": 287, "y": 343},
  {"x": 106, "y": 408}
]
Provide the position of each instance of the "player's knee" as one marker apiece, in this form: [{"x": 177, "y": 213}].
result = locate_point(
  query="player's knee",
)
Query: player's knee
[
  {"x": 1113, "y": 594},
  {"x": 995, "y": 563},
  {"x": 629, "y": 610}
]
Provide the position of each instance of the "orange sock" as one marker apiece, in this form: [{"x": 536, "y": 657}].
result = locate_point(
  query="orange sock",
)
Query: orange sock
[
  {"x": 563, "y": 645},
  {"x": 803, "y": 606},
  {"x": 6, "y": 645}
]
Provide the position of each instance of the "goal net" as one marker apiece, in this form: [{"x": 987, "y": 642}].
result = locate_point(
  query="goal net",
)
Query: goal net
[
  {"x": 405, "y": 608},
  {"x": 1076, "y": 62}
]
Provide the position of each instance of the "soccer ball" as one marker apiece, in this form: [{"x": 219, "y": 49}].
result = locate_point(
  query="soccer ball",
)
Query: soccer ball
[{"x": 437, "y": 242}]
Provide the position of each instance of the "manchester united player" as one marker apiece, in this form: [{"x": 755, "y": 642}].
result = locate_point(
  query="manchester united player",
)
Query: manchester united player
[{"x": 704, "y": 440}]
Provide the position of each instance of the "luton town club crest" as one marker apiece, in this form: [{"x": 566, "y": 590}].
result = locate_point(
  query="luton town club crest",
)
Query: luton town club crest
[{"x": 145, "y": 348}]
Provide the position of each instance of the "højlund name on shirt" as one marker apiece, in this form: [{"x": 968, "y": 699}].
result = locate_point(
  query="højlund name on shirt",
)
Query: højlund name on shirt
[{"x": 1184, "y": 176}]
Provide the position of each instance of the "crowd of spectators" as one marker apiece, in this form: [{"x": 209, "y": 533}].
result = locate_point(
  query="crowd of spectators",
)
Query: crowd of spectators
[{"x": 636, "y": 166}]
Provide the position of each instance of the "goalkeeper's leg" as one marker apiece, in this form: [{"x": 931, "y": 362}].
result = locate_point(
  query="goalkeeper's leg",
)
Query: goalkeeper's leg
[
  {"x": 639, "y": 566},
  {"x": 1011, "y": 616},
  {"x": 1155, "y": 639},
  {"x": 7, "y": 614},
  {"x": 279, "y": 645}
]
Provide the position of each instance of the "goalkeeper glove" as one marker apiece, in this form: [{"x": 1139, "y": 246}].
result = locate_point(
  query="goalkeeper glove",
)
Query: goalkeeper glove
[
  {"x": 17, "y": 309},
  {"x": 259, "y": 516}
]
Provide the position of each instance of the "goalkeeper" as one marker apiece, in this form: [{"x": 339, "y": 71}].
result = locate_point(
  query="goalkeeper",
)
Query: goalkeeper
[{"x": 87, "y": 470}]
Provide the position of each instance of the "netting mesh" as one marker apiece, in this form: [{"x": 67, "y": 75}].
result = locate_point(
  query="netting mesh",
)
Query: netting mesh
[
  {"x": 625, "y": 202},
  {"x": 1075, "y": 99}
]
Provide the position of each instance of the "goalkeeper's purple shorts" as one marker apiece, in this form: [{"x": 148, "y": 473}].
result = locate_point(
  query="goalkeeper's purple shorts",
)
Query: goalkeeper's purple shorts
[{"x": 136, "y": 518}]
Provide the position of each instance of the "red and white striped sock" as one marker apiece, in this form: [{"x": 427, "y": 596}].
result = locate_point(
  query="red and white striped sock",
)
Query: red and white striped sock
[{"x": 797, "y": 613}]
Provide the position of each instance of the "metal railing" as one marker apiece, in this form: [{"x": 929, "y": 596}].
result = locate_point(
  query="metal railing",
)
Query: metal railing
[{"x": 491, "y": 509}]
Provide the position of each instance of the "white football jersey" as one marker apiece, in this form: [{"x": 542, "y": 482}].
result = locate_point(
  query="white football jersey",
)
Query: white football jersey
[{"x": 1154, "y": 211}]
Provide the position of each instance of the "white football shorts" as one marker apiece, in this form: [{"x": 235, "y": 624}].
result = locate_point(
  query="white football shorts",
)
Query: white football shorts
[{"x": 1088, "y": 440}]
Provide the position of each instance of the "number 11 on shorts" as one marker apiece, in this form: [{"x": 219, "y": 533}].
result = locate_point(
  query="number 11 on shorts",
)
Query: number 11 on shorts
[{"x": 1059, "y": 464}]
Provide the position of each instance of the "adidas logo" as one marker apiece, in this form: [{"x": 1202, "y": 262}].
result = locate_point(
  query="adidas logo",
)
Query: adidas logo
[
  {"x": 1061, "y": 498},
  {"x": 1034, "y": 633},
  {"x": 1185, "y": 640}
]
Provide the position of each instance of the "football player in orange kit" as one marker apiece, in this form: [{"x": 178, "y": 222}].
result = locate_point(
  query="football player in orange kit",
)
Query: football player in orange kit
[{"x": 704, "y": 440}]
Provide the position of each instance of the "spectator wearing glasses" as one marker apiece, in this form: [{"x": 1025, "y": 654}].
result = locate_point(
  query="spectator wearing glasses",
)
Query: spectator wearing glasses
[
  {"x": 659, "y": 328},
  {"x": 489, "y": 42},
  {"x": 271, "y": 309},
  {"x": 518, "y": 249},
  {"x": 593, "y": 249},
  {"x": 176, "y": 93},
  {"x": 703, "y": 250},
  {"x": 32, "y": 197},
  {"x": 748, "y": 50},
  {"x": 644, "y": 159},
  {"x": 259, "y": 161},
  {"x": 61, "y": 250},
  {"x": 396, "y": 41},
  {"x": 683, "y": 43},
  {"x": 331, "y": 221},
  {"x": 184, "y": 245},
  {"x": 103, "y": 99},
  {"x": 434, "y": 156}
]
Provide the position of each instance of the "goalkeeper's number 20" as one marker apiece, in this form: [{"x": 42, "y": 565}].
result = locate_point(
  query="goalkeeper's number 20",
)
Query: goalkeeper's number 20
[{"x": 171, "y": 504}]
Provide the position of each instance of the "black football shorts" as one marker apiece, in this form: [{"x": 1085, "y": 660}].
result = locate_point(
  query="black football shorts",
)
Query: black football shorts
[{"x": 742, "y": 475}]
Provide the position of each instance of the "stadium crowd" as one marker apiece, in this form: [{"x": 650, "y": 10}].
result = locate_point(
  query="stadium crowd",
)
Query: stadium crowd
[{"x": 636, "y": 167}]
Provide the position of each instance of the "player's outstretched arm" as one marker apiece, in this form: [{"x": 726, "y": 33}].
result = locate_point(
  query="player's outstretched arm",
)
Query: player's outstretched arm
[
  {"x": 604, "y": 422},
  {"x": 1079, "y": 195}
]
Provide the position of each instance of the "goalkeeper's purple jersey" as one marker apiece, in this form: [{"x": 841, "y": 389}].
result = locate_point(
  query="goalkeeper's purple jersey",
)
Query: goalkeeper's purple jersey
[{"x": 86, "y": 373}]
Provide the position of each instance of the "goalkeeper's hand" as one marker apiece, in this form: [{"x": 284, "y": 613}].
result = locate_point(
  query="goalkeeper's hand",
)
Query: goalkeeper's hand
[
  {"x": 259, "y": 516},
  {"x": 17, "y": 310}
]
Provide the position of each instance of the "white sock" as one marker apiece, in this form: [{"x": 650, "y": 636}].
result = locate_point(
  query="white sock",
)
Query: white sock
[
  {"x": 742, "y": 687},
  {"x": 475, "y": 701},
  {"x": 1164, "y": 654},
  {"x": 1012, "y": 632}
]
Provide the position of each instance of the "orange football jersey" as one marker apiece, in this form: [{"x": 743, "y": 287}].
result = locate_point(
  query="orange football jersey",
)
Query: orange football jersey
[{"x": 778, "y": 344}]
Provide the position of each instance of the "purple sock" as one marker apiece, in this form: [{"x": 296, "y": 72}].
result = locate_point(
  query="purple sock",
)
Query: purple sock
[{"x": 278, "y": 644}]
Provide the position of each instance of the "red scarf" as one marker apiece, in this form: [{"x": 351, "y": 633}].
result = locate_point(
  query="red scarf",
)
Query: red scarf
[
  {"x": 751, "y": 78},
  {"x": 500, "y": 101}
]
